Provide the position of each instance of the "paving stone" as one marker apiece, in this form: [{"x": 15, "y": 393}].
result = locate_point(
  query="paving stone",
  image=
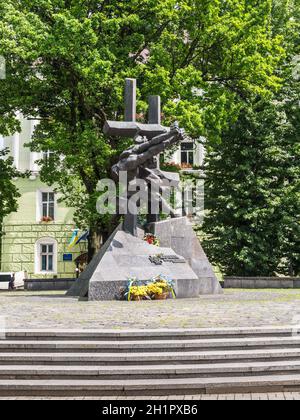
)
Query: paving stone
[
  {"x": 257, "y": 397},
  {"x": 243, "y": 397},
  {"x": 277, "y": 396},
  {"x": 242, "y": 308},
  {"x": 291, "y": 396},
  {"x": 239, "y": 397},
  {"x": 209, "y": 397}
]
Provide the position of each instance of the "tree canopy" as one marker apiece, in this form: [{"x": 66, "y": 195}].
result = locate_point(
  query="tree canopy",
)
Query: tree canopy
[
  {"x": 253, "y": 188},
  {"x": 67, "y": 60}
]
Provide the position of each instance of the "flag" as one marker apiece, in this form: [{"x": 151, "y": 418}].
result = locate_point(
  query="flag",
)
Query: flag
[
  {"x": 74, "y": 238},
  {"x": 83, "y": 237}
]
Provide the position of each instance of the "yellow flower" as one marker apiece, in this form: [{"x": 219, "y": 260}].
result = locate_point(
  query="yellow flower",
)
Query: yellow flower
[
  {"x": 139, "y": 291},
  {"x": 154, "y": 289}
]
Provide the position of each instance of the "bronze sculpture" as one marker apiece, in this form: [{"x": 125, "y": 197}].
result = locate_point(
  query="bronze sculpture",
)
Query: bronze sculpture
[{"x": 141, "y": 160}]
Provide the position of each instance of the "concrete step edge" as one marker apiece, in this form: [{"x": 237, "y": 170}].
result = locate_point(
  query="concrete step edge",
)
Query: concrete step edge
[
  {"x": 243, "y": 368},
  {"x": 153, "y": 384},
  {"x": 155, "y": 356},
  {"x": 150, "y": 335},
  {"x": 150, "y": 345},
  {"x": 285, "y": 329}
]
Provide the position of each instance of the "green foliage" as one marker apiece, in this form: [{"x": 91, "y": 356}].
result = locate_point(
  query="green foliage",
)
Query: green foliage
[
  {"x": 253, "y": 177},
  {"x": 253, "y": 186},
  {"x": 67, "y": 60},
  {"x": 8, "y": 191}
]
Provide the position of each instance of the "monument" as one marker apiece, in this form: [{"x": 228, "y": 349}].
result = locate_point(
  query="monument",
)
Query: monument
[{"x": 125, "y": 254}]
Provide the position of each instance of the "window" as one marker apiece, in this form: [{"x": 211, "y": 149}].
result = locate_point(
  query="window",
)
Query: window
[
  {"x": 47, "y": 257},
  {"x": 187, "y": 153},
  {"x": 47, "y": 155},
  {"x": 46, "y": 207},
  {"x": 48, "y": 202}
]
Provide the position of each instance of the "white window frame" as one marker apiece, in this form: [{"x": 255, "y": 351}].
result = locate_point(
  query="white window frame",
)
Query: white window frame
[
  {"x": 39, "y": 203},
  {"x": 49, "y": 204},
  {"x": 48, "y": 253},
  {"x": 188, "y": 152},
  {"x": 47, "y": 154},
  {"x": 38, "y": 256}
]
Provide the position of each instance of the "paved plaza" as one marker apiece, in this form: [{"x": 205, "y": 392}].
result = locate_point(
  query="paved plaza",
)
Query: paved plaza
[
  {"x": 279, "y": 396},
  {"x": 235, "y": 308}
]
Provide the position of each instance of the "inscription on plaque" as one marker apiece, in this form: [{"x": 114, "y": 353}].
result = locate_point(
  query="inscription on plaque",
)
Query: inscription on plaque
[{"x": 160, "y": 259}]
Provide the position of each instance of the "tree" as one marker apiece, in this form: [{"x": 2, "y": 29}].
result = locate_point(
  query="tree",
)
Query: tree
[
  {"x": 290, "y": 103},
  {"x": 67, "y": 60},
  {"x": 8, "y": 191},
  {"x": 253, "y": 185},
  {"x": 250, "y": 193}
]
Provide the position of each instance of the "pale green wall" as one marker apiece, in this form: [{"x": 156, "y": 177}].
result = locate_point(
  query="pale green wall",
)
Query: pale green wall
[
  {"x": 27, "y": 204},
  {"x": 25, "y": 137},
  {"x": 22, "y": 231}
]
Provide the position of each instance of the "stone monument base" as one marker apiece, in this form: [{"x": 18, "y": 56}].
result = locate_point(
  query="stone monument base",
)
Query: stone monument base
[
  {"x": 125, "y": 256},
  {"x": 128, "y": 257},
  {"x": 179, "y": 235}
]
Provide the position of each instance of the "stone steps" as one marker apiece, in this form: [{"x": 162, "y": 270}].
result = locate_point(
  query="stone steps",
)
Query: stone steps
[
  {"x": 178, "y": 386},
  {"x": 185, "y": 345},
  {"x": 163, "y": 371},
  {"x": 153, "y": 358},
  {"x": 138, "y": 335},
  {"x": 165, "y": 362}
]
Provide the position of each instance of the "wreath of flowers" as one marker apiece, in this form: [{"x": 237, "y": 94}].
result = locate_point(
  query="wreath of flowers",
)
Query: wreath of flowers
[
  {"x": 157, "y": 287},
  {"x": 151, "y": 239}
]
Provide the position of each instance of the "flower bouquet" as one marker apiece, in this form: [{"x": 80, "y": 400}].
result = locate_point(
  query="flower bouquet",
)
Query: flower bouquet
[
  {"x": 151, "y": 239},
  {"x": 162, "y": 288},
  {"x": 158, "y": 288},
  {"x": 138, "y": 293},
  {"x": 134, "y": 290}
]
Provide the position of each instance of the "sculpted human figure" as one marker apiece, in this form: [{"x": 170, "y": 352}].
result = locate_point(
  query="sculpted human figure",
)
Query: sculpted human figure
[
  {"x": 140, "y": 161},
  {"x": 143, "y": 154}
]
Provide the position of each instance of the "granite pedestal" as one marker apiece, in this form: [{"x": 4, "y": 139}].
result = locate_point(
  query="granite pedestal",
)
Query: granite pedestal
[
  {"x": 125, "y": 256},
  {"x": 179, "y": 235}
]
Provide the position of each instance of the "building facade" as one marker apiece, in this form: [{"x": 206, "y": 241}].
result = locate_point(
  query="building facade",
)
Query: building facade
[
  {"x": 191, "y": 154},
  {"x": 36, "y": 238}
]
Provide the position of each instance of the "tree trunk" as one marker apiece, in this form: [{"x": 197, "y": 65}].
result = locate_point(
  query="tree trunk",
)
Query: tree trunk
[{"x": 95, "y": 243}]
